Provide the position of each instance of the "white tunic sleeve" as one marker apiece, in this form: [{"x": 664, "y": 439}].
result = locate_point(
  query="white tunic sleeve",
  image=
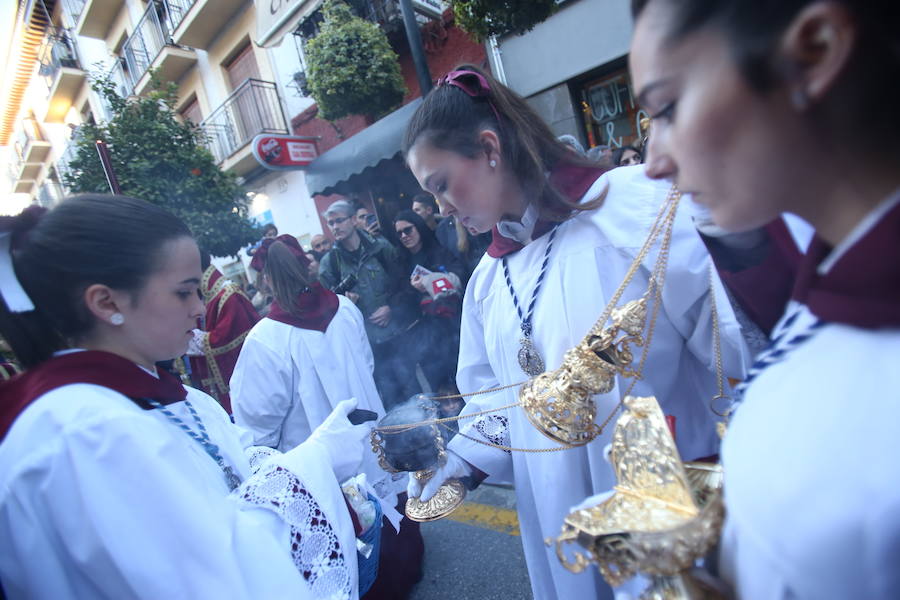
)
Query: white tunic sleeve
[
  {"x": 262, "y": 389},
  {"x": 475, "y": 373},
  {"x": 119, "y": 503}
]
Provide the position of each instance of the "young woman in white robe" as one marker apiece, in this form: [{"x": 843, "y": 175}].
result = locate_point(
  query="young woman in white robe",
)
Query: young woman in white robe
[
  {"x": 308, "y": 354},
  {"x": 491, "y": 162},
  {"x": 762, "y": 107},
  {"x": 115, "y": 480}
]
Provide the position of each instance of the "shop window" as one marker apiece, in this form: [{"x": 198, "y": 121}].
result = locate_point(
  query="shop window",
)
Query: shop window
[{"x": 611, "y": 114}]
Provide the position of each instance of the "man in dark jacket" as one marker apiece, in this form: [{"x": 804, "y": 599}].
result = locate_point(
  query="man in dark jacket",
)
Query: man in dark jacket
[{"x": 368, "y": 271}]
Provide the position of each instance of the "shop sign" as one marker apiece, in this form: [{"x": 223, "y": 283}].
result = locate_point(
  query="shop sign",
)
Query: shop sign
[
  {"x": 284, "y": 152},
  {"x": 431, "y": 8}
]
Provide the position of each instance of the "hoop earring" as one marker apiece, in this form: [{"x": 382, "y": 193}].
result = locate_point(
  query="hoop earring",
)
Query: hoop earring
[{"x": 117, "y": 319}]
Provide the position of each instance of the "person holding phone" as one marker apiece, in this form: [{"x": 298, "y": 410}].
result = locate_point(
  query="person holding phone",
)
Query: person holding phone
[{"x": 435, "y": 287}]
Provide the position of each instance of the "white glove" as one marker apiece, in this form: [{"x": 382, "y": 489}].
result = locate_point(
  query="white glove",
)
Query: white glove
[
  {"x": 454, "y": 468},
  {"x": 195, "y": 346},
  {"x": 344, "y": 441}
]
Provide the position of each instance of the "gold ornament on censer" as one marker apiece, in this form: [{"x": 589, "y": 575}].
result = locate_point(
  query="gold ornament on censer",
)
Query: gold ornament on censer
[
  {"x": 662, "y": 516},
  {"x": 560, "y": 403}
]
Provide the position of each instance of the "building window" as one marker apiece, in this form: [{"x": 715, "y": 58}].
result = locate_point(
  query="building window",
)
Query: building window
[{"x": 242, "y": 67}]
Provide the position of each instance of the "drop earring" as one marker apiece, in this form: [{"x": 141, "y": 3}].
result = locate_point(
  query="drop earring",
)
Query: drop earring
[{"x": 117, "y": 319}]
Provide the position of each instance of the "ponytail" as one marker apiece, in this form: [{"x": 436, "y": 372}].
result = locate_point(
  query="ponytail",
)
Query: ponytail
[{"x": 286, "y": 274}]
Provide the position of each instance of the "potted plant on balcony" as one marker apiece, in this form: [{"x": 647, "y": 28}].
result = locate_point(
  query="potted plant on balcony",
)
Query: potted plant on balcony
[
  {"x": 352, "y": 69},
  {"x": 483, "y": 18},
  {"x": 160, "y": 158}
]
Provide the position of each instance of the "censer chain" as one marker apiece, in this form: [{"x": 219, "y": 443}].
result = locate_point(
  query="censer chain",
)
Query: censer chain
[{"x": 663, "y": 225}]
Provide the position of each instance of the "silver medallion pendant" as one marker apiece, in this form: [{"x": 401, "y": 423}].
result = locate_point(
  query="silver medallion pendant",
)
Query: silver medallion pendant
[
  {"x": 529, "y": 359},
  {"x": 231, "y": 477}
]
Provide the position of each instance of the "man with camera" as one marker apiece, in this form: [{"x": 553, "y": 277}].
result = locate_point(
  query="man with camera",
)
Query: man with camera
[{"x": 366, "y": 269}]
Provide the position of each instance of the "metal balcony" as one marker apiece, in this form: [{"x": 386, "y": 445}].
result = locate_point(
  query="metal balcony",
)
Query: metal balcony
[
  {"x": 30, "y": 149},
  {"x": 61, "y": 72},
  {"x": 64, "y": 162},
  {"x": 122, "y": 85},
  {"x": 50, "y": 193},
  {"x": 251, "y": 109},
  {"x": 151, "y": 45},
  {"x": 196, "y": 23},
  {"x": 72, "y": 10},
  {"x": 95, "y": 17}
]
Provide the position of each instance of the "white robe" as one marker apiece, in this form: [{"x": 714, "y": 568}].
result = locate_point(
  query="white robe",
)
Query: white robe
[
  {"x": 812, "y": 478},
  {"x": 590, "y": 257},
  {"x": 288, "y": 379},
  {"x": 101, "y": 499}
]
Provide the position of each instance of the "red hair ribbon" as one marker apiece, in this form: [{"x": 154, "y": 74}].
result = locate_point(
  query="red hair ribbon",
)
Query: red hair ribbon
[{"x": 473, "y": 84}]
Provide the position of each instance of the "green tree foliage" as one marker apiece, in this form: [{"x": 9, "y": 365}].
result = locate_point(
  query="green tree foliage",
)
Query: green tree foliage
[
  {"x": 483, "y": 18},
  {"x": 161, "y": 160},
  {"x": 352, "y": 68}
]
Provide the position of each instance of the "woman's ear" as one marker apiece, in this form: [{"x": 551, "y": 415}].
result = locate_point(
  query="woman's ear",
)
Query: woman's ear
[
  {"x": 103, "y": 302},
  {"x": 817, "y": 47},
  {"x": 490, "y": 143}
]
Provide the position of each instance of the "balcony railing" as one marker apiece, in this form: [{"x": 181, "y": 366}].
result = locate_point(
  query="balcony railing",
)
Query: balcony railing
[
  {"x": 253, "y": 108},
  {"x": 64, "y": 162},
  {"x": 29, "y": 143},
  {"x": 72, "y": 10},
  {"x": 149, "y": 38},
  {"x": 122, "y": 84},
  {"x": 175, "y": 11},
  {"x": 50, "y": 193},
  {"x": 57, "y": 51}
]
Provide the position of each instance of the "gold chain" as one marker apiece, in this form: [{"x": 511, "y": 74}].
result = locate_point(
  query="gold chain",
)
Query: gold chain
[{"x": 662, "y": 225}]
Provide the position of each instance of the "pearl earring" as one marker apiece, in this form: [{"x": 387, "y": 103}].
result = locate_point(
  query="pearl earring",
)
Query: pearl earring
[
  {"x": 799, "y": 99},
  {"x": 117, "y": 319},
  {"x": 493, "y": 163}
]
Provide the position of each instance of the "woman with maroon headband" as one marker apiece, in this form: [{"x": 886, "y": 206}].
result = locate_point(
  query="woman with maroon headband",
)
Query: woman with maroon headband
[
  {"x": 564, "y": 235},
  {"x": 115, "y": 480},
  {"x": 767, "y": 106}
]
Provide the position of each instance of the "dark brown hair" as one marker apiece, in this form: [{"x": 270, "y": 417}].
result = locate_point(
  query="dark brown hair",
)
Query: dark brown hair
[
  {"x": 286, "y": 276},
  {"x": 754, "y": 27},
  {"x": 86, "y": 240},
  {"x": 451, "y": 119}
]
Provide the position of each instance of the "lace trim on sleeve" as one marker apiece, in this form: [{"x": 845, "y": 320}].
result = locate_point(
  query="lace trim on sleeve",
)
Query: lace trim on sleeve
[
  {"x": 315, "y": 546},
  {"x": 494, "y": 428},
  {"x": 258, "y": 455}
]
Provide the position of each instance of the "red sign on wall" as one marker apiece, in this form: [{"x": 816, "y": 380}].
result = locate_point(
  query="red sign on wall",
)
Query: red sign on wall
[{"x": 284, "y": 152}]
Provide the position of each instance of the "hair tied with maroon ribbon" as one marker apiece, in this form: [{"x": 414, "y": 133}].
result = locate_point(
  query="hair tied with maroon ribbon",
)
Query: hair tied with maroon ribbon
[
  {"x": 474, "y": 84},
  {"x": 13, "y": 232},
  {"x": 262, "y": 253}
]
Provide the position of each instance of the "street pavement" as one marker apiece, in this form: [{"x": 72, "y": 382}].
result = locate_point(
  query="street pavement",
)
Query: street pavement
[{"x": 476, "y": 552}]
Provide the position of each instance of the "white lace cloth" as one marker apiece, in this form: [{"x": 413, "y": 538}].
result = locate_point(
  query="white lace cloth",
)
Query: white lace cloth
[
  {"x": 494, "y": 428},
  {"x": 315, "y": 547}
]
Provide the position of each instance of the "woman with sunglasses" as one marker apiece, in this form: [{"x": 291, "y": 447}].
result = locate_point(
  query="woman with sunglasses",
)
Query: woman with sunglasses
[
  {"x": 564, "y": 235},
  {"x": 812, "y": 484},
  {"x": 115, "y": 480},
  {"x": 435, "y": 289}
]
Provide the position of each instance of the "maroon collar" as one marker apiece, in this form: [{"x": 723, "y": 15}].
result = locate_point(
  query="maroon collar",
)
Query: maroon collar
[
  {"x": 863, "y": 287},
  {"x": 572, "y": 181},
  {"x": 90, "y": 366},
  {"x": 316, "y": 307}
]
